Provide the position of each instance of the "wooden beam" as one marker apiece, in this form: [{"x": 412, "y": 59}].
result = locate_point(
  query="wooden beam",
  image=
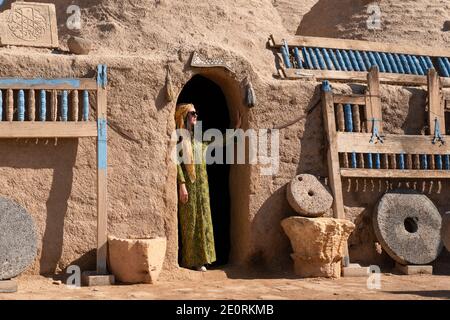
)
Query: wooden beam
[
  {"x": 50, "y": 129},
  {"x": 393, "y": 143},
  {"x": 373, "y": 110},
  {"x": 102, "y": 214},
  {"x": 334, "y": 174},
  {"x": 48, "y": 84},
  {"x": 390, "y": 173},
  {"x": 435, "y": 108},
  {"x": 350, "y": 99},
  {"x": 332, "y": 154},
  {"x": 347, "y": 44},
  {"x": 359, "y": 77}
]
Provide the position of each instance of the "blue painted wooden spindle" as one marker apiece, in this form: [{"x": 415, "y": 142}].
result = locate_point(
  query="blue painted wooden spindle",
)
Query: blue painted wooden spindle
[
  {"x": 85, "y": 115},
  {"x": 333, "y": 57},
  {"x": 64, "y": 105},
  {"x": 405, "y": 64},
  {"x": 320, "y": 59},
  {"x": 399, "y": 64},
  {"x": 354, "y": 162},
  {"x": 447, "y": 162},
  {"x": 347, "y": 61},
  {"x": 360, "y": 61},
  {"x": 341, "y": 60},
  {"x": 377, "y": 161},
  {"x": 424, "y": 64},
  {"x": 43, "y": 106},
  {"x": 353, "y": 60},
  {"x": 380, "y": 62},
  {"x": 366, "y": 60},
  {"x": 21, "y": 106},
  {"x": 430, "y": 64},
  {"x": 312, "y": 55},
  {"x": 298, "y": 59},
  {"x": 1, "y": 105},
  {"x": 369, "y": 161},
  {"x": 327, "y": 59},
  {"x": 438, "y": 162},
  {"x": 348, "y": 118},
  {"x": 418, "y": 66},
  {"x": 386, "y": 63},
  {"x": 443, "y": 67},
  {"x": 401, "y": 161},
  {"x": 447, "y": 63},
  {"x": 373, "y": 60},
  {"x": 285, "y": 54},
  {"x": 412, "y": 65},
  {"x": 392, "y": 62},
  {"x": 307, "y": 59},
  {"x": 424, "y": 161}
]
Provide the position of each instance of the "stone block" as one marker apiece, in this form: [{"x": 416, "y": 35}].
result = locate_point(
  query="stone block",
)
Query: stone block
[
  {"x": 136, "y": 260},
  {"x": 355, "y": 270},
  {"x": 318, "y": 244},
  {"x": 412, "y": 269},
  {"x": 29, "y": 24},
  {"x": 8, "y": 286},
  {"x": 92, "y": 279}
]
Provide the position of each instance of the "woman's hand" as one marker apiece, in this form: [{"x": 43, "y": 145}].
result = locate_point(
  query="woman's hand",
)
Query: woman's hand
[{"x": 184, "y": 196}]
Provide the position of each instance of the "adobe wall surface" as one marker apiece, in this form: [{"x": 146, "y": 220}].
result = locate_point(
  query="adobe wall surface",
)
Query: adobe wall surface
[{"x": 137, "y": 39}]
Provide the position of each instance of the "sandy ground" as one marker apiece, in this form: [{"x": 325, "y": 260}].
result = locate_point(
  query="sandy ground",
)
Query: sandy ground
[{"x": 216, "y": 284}]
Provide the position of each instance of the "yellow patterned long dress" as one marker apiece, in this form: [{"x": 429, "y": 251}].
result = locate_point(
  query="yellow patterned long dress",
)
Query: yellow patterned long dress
[{"x": 197, "y": 238}]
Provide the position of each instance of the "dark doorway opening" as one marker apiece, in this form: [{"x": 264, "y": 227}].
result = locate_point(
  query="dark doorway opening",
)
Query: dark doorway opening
[{"x": 212, "y": 109}]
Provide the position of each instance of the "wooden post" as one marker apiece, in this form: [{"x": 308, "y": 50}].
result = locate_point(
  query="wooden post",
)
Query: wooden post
[
  {"x": 435, "y": 110},
  {"x": 54, "y": 105},
  {"x": 102, "y": 216},
  {"x": 334, "y": 174},
  {"x": 373, "y": 101},
  {"x": 9, "y": 105},
  {"x": 75, "y": 105}
]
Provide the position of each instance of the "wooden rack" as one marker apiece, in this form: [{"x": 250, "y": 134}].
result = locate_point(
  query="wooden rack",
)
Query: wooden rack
[
  {"x": 50, "y": 108},
  {"x": 320, "y": 59},
  {"x": 357, "y": 147}
]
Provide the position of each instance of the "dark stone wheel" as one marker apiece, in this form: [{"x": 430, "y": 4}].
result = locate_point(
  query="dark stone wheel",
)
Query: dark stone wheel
[
  {"x": 445, "y": 232},
  {"x": 408, "y": 226},
  {"x": 18, "y": 243}
]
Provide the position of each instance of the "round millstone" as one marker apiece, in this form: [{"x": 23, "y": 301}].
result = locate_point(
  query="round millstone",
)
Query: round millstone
[
  {"x": 308, "y": 197},
  {"x": 408, "y": 226},
  {"x": 18, "y": 243},
  {"x": 445, "y": 233}
]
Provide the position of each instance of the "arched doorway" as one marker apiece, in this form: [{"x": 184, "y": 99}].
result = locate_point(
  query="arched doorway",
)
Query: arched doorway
[{"x": 212, "y": 108}]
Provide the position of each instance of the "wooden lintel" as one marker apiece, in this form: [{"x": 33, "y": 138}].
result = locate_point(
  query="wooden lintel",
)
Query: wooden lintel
[
  {"x": 49, "y": 129},
  {"x": 390, "y": 173},
  {"x": 359, "y": 77},
  {"x": 392, "y": 143},
  {"x": 350, "y": 99},
  {"x": 347, "y": 44}
]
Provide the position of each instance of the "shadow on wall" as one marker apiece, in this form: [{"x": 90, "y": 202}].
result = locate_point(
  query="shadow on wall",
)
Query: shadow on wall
[
  {"x": 272, "y": 247},
  {"x": 324, "y": 20},
  {"x": 61, "y": 159},
  {"x": 313, "y": 152}
]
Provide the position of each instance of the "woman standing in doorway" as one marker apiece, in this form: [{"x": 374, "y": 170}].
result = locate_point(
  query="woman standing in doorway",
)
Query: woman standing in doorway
[{"x": 197, "y": 236}]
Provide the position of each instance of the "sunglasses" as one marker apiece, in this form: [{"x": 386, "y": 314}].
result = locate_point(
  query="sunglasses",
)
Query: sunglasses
[{"x": 193, "y": 113}]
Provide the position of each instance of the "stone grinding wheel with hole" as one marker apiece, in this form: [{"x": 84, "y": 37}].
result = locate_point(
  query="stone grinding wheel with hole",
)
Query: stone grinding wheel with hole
[
  {"x": 408, "y": 226},
  {"x": 308, "y": 197},
  {"x": 445, "y": 231},
  {"x": 18, "y": 242}
]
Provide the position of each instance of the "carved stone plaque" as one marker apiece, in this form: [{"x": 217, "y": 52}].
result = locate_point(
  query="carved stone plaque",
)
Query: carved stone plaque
[{"x": 29, "y": 24}]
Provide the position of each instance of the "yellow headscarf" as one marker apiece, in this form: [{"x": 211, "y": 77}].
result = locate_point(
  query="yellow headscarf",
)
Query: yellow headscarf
[{"x": 180, "y": 118}]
